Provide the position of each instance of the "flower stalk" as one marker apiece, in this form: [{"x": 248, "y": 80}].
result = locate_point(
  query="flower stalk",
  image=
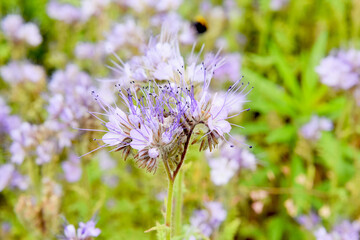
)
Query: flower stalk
[{"x": 169, "y": 205}]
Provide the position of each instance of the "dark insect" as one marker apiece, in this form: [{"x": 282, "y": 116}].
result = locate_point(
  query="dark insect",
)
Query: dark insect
[{"x": 200, "y": 24}]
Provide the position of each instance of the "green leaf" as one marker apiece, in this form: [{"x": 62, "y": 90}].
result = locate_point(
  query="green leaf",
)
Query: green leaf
[
  {"x": 310, "y": 78},
  {"x": 287, "y": 74},
  {"x": 281, "y": 135},
  {"x": 275, "y": 228},
  {"x": 268, "y": 94},
  {"x": 230, "y": 230}
]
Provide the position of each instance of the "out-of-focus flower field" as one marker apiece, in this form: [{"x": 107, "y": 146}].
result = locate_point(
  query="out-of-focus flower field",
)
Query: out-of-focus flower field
[{"x": 281, "y": 117}]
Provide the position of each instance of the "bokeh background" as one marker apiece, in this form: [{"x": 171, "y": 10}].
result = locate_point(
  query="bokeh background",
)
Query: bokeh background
[{"x": 302, "y": 174}]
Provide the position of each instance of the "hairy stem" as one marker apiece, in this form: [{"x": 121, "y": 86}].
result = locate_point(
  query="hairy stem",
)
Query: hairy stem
[
  {"x": 169, "y": 205},
  {"x": 178, "y": 203},
  {"x": 183, "y": 154}
]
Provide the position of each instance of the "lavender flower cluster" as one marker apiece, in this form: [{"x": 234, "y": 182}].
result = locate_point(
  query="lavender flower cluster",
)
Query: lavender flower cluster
[
  {"x": 208, "y": 220},
  {"x": 228, "y": 160},
  {"x": 341, "y": 70},
  {"x": 159, "y": 118},
  {"x": 344, "y": 230},
  {"x": 312, "y": 130},
  {"x": 166, "y": 104},
  {"x": 17, "y": 31},
  {"x": 85, "y": 231}
]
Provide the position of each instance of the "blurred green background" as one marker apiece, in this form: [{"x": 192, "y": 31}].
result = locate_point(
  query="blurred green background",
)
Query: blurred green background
[{"x": 280, "y": 51}]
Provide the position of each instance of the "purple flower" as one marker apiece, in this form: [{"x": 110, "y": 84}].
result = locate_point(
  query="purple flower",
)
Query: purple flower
[
  {"x": 72, "y": 168},
  {"x": 227, "y": 161},
  {"x": 7, "y": 121},
  {"x": 63, "y": 12},
  {"x": 21, "y": 72},
  {"x": 91, "y": 8},
  {"x": 276, "y": 5},
  {"x": 123, "y": 35},
  {"x": 157, "y": 117},
  {"x": 322, "y": 234},
  {"x": 86, "y": 50},
  {"x": 312, "y": 130},
  {"x": 309, "y": 221},
  {"x": 347, "y": 230},
  {"x": 70, "y": 102},
  {"x": 23, "y": 138},
  {"x": 10, "y": 177},
  {"x": 208, "y": 220},
  {"x": 11, "y": 24},
  {"x": 340, "y": 70},
  {"x": 6, "y": 172},
  {"x": 230, "y": 70},
  {"x": 84, "y": 232},
  {"x": 17, "y": 31},
  {"x": 222, "y": 170}
]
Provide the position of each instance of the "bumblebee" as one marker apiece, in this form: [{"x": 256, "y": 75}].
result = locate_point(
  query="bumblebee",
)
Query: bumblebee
[{"x": 200, "y": 24}]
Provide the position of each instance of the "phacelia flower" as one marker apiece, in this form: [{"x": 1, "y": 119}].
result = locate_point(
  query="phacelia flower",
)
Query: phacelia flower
[
  {"x": 7, "y": 122},
  {"x": 228, "y": 160},
  {"x": 85, "y": 231},
  {"x": 124, "y": 36},
  {"x": 340, "y": 70},
  {"x": 309, "y": 221},
  {"x": 64, "y": 12},
  {"x": 230, "y": 70},
  {"x": 312, "y": 130},
  {"x": 21, "y": 72},
  {"x": 157, "y": 117},
  {"x": 69, "y": 100},
  {"x": 92, "y": 51},
  {"x": 208, "y": 220},
  {"x": 9, "y": 176},
  {"x": 344, "y": 230},
  {"x": 17, "y": 31},
  {"x": 72, "y": 168},
  {"x": 276, "y": 5}
]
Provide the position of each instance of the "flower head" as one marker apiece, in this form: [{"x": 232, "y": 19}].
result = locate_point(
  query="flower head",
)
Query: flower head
[
  {"x": 208, "y": 220},
  {"x": 159, "y": 114},
  {"x": 17, "y": 31},
  {"x": 85, "y": 231},
  {"x": 312, "y": 130}
]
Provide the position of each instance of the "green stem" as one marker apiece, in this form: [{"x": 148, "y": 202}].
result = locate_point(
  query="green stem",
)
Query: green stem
[
  {"x": 178, "y": 203},
  {"x": 169, "y": 206}
]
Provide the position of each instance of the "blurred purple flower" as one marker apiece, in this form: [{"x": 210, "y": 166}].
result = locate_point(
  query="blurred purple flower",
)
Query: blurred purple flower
[
  {"x": 230, "y": 70},
  {"x": 222, "y": 170},
  {"x": 92, "y": 51},
  {"x": 9, "y": 176},
  {"x": 63, "y": 12},
  {"x": 85, "y": 231},
  {"x": 23, "y": 137},
  {"x": 347, "y": 230},
  {"x": 91, "y": 8},
  {"x": 276, "y": 5},
  {"x": 6, "y": 172},
  {"x": 322, "y": 234},
  {"x": 312, "y": 130},
  {"x": 7, "y": 122},
  {"x": 122, "y": 35},
  {"x": 21, "y": 72},
  {"x": 72, "y": 168},
  {"x": 14, "y": 29},
  {"x": 70, "y": 102},
  {"x": 340, "y": 70},
  {"x": 208, "y": 220},
  {"x": 309, "y": 221},
  {"x": 227, "y": 161}
]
